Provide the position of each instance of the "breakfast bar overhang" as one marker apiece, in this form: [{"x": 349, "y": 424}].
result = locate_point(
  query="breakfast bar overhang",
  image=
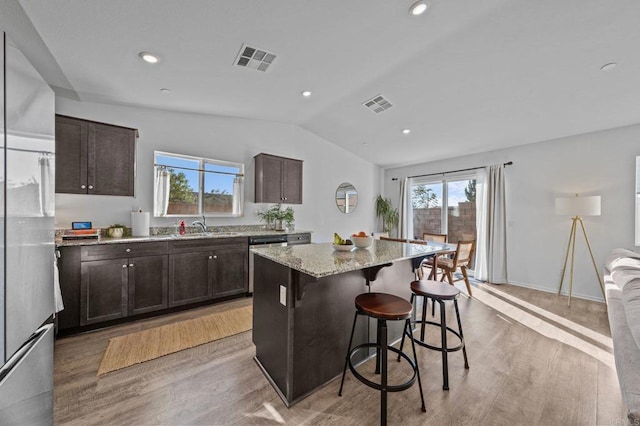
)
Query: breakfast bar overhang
[{"x": 303, "y": 306}]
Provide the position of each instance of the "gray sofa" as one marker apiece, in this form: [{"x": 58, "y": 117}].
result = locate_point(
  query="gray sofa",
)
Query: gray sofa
[{"x": 622, "y": 285}]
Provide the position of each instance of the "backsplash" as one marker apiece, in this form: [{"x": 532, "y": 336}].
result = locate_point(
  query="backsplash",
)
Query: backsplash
[{"x": 168, "y": 230}]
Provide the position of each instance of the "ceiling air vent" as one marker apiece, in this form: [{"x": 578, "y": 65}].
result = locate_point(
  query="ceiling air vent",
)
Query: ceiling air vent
[
  {"x": 254, "y": 58},
  {"x": 378, "y": 104}
]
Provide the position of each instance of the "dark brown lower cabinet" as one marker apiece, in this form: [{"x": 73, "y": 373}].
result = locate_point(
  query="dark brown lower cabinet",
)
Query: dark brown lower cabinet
[
  {"x": 231, "y": 265},
  {"x": 217, "y": 270},
  {"x": 103, "y": 290},
  {"x": 190, "y": 277},
  {"x": 104, "y": 282},
  {"x": 114, "y": 288},
  {"x": 148, "y": 284}
]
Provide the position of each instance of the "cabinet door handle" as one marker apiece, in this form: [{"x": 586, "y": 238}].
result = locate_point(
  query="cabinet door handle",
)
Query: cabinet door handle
[
  {"x": 83, "y": 186},
  {"x": 131, "y": 265},
  {"x": 128, "y": 250},
  {"x": 124, "y": 266},
  {"x": 90, "y": 186}
]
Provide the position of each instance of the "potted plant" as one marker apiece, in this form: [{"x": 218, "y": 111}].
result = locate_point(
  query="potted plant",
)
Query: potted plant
[
  {"x": 389, "y": 215},
  {"x": 270, "y": 216},
  {"x": 275, "y": 218},
  {"x": 287, "y": 217},
  {"x": 117, "y": 231}
]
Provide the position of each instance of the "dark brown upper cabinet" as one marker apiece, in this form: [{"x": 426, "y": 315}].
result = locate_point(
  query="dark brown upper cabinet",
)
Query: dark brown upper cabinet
[
  {"x": 278, "y": 179},
  {"x": 94, "y": 158}
]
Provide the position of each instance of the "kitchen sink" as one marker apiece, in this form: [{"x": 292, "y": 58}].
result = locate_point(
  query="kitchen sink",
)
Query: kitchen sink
[
  {"x": 205, "y": 235},
  {"x": 187, "y": 236}
]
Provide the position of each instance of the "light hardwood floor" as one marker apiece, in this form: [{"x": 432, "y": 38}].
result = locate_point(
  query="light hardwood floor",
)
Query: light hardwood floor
[{"x": 533, "y": 360}]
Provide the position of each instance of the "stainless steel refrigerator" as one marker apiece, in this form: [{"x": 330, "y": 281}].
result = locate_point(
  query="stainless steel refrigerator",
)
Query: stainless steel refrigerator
[{"x": 26, "y": 241}]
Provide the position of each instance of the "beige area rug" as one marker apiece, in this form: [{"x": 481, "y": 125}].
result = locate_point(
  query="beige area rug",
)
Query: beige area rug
[{"x": 134, "y": 348}]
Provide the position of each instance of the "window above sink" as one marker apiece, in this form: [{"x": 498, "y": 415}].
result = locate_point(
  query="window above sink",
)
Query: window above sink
[{"x": 195, "y": 186}]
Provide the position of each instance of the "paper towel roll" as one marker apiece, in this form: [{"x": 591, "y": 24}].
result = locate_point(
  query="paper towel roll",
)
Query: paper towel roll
[{"x": 140, "y": 224}]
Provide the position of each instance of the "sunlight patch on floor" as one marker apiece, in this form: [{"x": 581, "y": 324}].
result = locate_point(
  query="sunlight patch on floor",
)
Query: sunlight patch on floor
[
  {"x": 269, "y": 413},
  {"x": 587, "y": 332},
  {"x": 545, "y": 328}
]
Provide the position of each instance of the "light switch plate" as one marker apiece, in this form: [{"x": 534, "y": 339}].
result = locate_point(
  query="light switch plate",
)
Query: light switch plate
[{"x": 283, "y": 295}]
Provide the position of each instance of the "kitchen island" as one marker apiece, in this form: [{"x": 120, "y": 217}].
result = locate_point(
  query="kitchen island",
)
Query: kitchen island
[{"x": 304, "y": 306}]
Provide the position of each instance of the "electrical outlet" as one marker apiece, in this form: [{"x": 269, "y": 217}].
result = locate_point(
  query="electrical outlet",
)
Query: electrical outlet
[{"x": 283, "y": 295}]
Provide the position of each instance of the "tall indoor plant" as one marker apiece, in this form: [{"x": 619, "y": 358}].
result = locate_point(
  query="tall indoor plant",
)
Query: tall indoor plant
[{"x": 389, "y": 215}]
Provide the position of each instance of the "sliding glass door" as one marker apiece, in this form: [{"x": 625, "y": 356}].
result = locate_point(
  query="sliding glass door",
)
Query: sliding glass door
[
  {"x": 458, "y": 220},
  {"x": 461, "y": 210},
  {"x": 426, "y": 202}
]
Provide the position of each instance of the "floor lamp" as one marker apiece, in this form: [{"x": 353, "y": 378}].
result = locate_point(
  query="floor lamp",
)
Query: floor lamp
[{"x": 577, "y": 207}]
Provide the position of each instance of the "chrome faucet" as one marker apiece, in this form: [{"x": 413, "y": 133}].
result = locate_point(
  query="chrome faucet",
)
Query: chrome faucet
[{"x": 202, "y": 224}]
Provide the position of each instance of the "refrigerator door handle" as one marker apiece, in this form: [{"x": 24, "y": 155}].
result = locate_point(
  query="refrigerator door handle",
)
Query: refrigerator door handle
[
  {"x": 26, "y": 386},
  {"x": 20, "y": 353}
]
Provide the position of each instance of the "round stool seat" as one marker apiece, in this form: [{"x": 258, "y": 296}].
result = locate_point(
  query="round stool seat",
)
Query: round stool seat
[
  {"x": 383, "y": 306},
  {"x": 435, "y": 289}
]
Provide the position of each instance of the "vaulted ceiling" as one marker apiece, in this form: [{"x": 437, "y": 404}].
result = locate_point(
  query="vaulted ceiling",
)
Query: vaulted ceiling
[{"x": 465, "y": 77}]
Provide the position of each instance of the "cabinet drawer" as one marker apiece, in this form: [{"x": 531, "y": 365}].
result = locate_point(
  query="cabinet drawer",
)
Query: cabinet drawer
[
  {"x": 119, "y": 250},
  {"x": 205, "y": 244}
]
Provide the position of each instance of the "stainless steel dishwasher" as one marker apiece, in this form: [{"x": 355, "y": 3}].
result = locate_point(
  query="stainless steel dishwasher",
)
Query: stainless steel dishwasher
[{"x": 263, "y": 241}]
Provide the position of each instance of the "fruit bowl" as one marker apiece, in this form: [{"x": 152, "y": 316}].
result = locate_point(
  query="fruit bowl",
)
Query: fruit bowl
[
  {"x": 343, "y": 247},
  {"x": 362, "y": 242}
]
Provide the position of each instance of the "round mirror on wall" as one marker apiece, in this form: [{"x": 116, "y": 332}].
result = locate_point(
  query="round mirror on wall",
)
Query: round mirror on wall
[{"x": 346, "y": 197}]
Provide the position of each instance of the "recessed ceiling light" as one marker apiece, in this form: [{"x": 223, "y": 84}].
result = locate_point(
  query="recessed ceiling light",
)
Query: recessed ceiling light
[
  {"x": 306, "y": 93},
  {"x": 609, "y": 66},
  {"x": 406, "y": 131},
  {"x": 418, "y": 8},
  {"x": 165, "y": 90},
  {"x": 149, "y": 57}
]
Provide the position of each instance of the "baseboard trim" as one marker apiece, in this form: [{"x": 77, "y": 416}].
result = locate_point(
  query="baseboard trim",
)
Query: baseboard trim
[{"x": 564, "y": 293}]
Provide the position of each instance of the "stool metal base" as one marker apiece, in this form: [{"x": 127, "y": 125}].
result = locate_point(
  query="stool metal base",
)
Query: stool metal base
[
  {"x": 439, "y": 348},
  {"x": 444, "y": 348},
  {"x": 381, "y": 364},
  {"x": 378, "y": 386}
]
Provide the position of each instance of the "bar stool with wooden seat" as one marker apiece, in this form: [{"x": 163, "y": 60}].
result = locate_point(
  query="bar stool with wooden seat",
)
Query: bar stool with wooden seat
[
  {"x": 383, "y": 307},
  {"x": 441, "y": 293}
]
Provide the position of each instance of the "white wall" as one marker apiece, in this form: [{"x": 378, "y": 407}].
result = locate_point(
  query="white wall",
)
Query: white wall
[
  {"x": 601, "y": 163},
  {"x": 229, "y": 139}
]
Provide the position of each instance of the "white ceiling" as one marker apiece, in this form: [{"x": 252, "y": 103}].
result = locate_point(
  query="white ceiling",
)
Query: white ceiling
[{"x": 468, "y": 76}]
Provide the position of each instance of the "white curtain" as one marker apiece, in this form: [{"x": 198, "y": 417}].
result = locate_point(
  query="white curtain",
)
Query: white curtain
[
  {"x": 405, "y": 210},
  {"x": 491, "y": 245},
  {"x": 47, "y": 189},
  {"x": 161, "y": 199},
  {"x": 238, "y": 196}
]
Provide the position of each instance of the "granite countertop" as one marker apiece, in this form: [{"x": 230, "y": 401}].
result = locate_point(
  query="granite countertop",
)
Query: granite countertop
[
  {"x": 321, "y": 260},
  {"x": 171, "y": 237}
]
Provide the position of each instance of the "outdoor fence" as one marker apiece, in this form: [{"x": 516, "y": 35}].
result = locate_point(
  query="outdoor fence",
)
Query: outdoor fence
[{"x": 461, "y": 218}]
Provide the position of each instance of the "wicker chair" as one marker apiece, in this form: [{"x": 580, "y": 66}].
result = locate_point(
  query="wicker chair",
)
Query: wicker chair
[
  {"x": 462, "y": 258},
  {"x": 438, "y": 238},
  {"x": 426, "y": 237}
]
